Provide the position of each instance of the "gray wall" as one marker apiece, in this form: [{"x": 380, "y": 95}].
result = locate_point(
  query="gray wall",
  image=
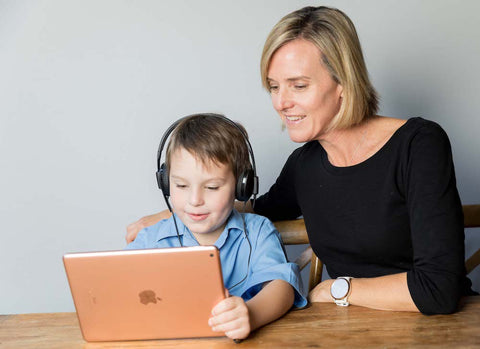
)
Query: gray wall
[{"x": 88, "y": 87}]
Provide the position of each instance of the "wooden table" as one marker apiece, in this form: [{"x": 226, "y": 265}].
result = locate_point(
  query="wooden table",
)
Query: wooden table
[{"x": 319, "y": 326}]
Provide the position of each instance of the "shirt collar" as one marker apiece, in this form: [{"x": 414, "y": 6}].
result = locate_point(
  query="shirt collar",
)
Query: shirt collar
[
  {"x": 168, "y": 230},
  {"x": 234, "y": 226}
]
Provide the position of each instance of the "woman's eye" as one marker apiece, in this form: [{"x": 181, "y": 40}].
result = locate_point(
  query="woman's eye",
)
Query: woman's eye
[
  {"x": 273, "y": 88},
  {"x": 300, "y": 87}
]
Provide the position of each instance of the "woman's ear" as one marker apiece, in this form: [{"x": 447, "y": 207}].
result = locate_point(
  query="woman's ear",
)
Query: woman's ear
[{"x": 340, "y": 90}]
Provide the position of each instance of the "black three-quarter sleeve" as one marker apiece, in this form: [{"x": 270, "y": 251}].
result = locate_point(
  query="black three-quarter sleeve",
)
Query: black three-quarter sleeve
[
  {"x": 436, "y": 221},
  {"x": 280, "y": 202}
]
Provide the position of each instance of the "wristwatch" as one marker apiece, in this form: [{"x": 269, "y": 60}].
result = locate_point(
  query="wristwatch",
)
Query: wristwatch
[{"x": 340, "y": 290}]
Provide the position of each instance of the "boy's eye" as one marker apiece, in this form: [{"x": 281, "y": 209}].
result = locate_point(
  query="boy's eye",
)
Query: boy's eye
[
  {"x": 181, "y": 186},
  {"x": 212, "y": 188}
]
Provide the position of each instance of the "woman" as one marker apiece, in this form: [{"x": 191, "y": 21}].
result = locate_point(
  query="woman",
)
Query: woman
[{"x": 378, "y": 194}]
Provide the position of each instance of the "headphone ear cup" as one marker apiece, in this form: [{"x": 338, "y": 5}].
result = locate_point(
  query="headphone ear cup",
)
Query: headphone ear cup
[
  {"x": 245, "y": 185},
  {"x": 162, "y": 180}
]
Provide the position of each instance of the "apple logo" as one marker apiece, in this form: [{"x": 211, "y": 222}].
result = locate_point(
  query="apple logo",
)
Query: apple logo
[{"x": 148, "y": 296}]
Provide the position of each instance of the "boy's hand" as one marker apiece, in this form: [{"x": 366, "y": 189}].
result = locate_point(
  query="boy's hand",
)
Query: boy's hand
[{"x": 232, "y": 317}]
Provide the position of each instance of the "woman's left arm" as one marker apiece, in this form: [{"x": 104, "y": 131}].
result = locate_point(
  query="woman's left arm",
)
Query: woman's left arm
[{"x": 388, "y": 292}]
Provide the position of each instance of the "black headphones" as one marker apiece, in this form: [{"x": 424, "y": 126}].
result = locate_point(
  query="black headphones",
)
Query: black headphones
[{"x": 247, "y": 182}]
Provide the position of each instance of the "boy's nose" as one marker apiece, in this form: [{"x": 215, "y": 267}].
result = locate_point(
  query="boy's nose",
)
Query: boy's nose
[{"x": 196, "y": 197}]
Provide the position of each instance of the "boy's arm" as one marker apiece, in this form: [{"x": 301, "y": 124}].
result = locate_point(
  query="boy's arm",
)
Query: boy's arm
[
  {"x": 274, "y": 300},
  {"x": 237, "y": 318}
]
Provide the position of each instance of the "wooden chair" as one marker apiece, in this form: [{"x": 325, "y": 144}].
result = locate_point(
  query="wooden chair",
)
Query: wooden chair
[
  {"x": 471, "y": 219},
  {"x": 293, "y": 232}
]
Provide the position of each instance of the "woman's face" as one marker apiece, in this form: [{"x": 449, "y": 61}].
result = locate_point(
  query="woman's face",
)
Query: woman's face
[{"x": 302, "y": 90}]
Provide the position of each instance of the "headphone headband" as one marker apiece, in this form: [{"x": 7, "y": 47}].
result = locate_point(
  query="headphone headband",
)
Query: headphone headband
[{"x": 247, "y": 183}]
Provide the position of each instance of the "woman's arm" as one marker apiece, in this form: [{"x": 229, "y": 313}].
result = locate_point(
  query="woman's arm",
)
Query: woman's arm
[
  {"x": 134, "y": 228},
  {"x": 436, "y": 280},
  {"x": 238, "y": 318},
  {"x": 388, "y": 292},
  {"x": 280, "y": 201}
]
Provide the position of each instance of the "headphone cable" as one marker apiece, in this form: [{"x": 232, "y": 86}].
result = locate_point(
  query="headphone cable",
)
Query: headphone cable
[
  {"x": 249, "y": 244},
  {"x": 174, "y": 220}
]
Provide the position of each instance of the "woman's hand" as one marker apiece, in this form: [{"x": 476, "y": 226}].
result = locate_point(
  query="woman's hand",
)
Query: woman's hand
[
  {"x": 135, "y": 227},
  {"x": 321, "y": 292},
  {"x": 231, "y": 316}
]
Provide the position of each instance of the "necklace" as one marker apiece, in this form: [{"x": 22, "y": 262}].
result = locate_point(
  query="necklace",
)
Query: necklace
[
  {"x": 350, "y": 161},
  {"x": 362, "y": 140}
]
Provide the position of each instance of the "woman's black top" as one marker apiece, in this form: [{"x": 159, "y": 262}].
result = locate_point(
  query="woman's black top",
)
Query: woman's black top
[{"x": 398, "y": 211}]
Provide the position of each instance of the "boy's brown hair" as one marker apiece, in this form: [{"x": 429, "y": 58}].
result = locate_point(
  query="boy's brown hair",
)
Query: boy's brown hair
[{"x": 212, "y": 137}]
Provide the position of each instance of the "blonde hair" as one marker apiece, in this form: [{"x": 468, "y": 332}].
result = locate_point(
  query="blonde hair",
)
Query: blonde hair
[{"x": 334, "y": 34}]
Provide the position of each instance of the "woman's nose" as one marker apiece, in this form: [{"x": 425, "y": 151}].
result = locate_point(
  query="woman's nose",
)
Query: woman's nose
[{"x": 282, "y": 100}]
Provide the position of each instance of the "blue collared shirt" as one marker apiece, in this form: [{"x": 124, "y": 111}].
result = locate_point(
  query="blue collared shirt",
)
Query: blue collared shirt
[{"x": 267, "y": 262}]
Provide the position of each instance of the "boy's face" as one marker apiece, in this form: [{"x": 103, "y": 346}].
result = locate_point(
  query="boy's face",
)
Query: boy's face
[{"x": 202, "y": 195}]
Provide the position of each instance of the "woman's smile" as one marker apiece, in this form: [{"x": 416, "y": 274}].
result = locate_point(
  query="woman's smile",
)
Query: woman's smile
[{"x": 293, "y": 119}]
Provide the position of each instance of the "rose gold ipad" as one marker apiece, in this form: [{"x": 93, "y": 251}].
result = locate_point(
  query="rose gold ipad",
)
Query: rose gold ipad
[{"x": 145, "y": 294}]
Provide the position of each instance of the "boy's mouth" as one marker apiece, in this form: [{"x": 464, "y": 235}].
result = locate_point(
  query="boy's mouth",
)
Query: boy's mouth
[{"x": 198, "y": 217}]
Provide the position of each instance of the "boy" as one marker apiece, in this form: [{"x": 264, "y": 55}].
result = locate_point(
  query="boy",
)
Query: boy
[{"x": 205, "y": 156}]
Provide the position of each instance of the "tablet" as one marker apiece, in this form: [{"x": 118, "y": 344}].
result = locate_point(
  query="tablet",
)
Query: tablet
[{"x": 145, "y": 294}]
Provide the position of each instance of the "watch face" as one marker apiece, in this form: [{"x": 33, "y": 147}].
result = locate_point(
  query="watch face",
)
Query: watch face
[{"x": 339, "y": 288}]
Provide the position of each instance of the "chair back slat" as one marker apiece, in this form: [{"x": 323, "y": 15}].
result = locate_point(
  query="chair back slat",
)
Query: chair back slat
[
  {"x": 471, "y": 216},
  {"x": 471, "y": 219},
  {"x": 293, "y": 232}
]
